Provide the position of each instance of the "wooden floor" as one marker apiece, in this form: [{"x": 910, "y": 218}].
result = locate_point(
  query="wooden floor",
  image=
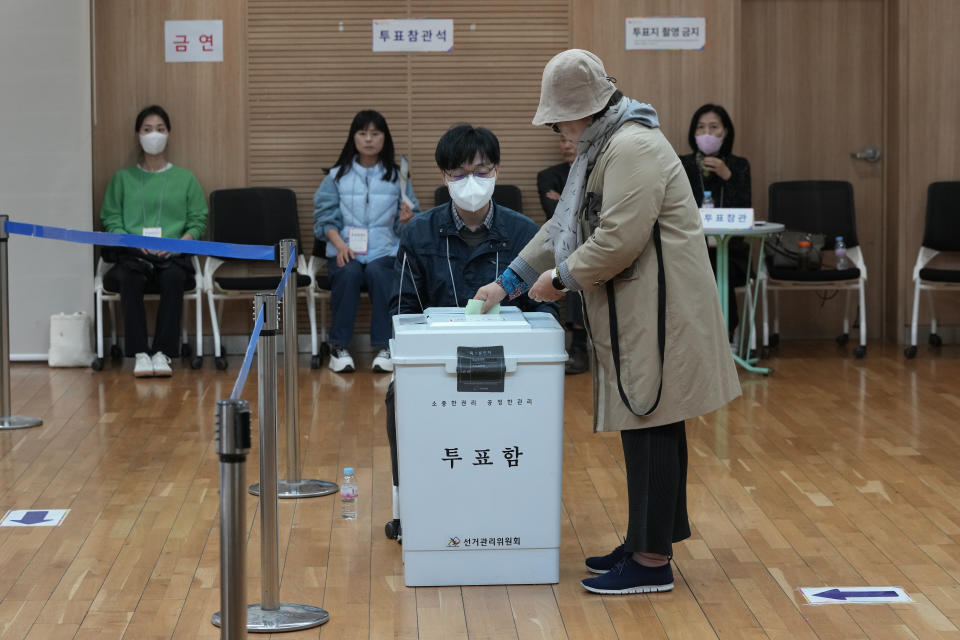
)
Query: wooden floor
[{"x": 832, "y": 471}]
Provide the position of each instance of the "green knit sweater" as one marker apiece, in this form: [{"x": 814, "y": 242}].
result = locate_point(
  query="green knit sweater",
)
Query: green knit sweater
[{"x": 171, "y": 199}]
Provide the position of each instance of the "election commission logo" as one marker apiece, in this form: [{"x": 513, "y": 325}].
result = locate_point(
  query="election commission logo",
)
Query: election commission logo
[{"x": 453, "y": 542}]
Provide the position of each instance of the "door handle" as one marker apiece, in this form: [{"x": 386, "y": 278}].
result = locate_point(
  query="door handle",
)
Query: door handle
[{"x": 871, "y": 154}]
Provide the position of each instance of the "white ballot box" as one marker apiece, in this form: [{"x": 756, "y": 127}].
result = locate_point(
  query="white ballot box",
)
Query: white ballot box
[{"x": 479, "y": 405}]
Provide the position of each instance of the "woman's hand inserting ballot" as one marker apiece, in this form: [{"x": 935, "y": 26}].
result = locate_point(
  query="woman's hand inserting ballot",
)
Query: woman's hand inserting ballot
[{"x": 491, "y": 294}]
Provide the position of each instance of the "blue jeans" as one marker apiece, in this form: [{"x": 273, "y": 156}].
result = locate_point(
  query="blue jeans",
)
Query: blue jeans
[{"x": 346, "y": 283}]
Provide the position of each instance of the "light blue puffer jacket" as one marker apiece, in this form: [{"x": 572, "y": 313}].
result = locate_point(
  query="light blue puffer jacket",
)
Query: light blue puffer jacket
[{"x": 364, "y": 199}]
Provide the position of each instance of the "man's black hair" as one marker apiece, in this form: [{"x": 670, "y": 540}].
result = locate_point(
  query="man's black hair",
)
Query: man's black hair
[{"x": 462, "y": 142}]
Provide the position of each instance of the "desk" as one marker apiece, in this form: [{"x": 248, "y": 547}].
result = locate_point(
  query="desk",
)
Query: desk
[{"x": 762, "y": 230}]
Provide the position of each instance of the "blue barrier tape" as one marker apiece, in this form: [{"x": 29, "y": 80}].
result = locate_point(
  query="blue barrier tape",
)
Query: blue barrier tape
[
  {"x": 248, "y": 357},
  {"x": 252, "y": 345},
  {"x": 286, "y": 275},
  {"x": 175, "y": 245}
]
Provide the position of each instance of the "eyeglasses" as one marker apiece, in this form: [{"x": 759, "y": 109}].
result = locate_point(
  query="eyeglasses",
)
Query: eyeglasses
[
  {"x": 555, "y": 128},
  {"x": 482, "y": 171}
]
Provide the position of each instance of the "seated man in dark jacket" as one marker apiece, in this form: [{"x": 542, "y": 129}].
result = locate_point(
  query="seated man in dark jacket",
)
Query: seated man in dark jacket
[{"x": 450, "y": 251}]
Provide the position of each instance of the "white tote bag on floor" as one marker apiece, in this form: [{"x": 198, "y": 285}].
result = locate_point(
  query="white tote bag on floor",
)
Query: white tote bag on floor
[{"x": 70, "y": 340}]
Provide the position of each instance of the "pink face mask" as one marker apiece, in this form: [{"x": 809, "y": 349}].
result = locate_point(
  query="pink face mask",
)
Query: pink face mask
[{"x": 709, "y": 144}]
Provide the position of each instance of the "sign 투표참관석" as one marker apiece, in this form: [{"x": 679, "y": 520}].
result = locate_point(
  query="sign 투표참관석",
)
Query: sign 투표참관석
[
  {"x": 408, "y": 36},
  {"x": 666, "y": 33},
  {"x": 726, "y": 218},
  {"x": 193, "y": 40}
]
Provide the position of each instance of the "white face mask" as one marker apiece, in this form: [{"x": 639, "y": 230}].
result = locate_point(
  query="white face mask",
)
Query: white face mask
[
  {"x": 471, "y": 193},
  {"x": 153, "y": 142}
]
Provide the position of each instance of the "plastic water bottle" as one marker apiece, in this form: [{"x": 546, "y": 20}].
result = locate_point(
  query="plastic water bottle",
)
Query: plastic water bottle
[
  {"x": 707, "y": 200},
  {"x": 348, "y": 495},
  {"x": 840, "y": 253}
]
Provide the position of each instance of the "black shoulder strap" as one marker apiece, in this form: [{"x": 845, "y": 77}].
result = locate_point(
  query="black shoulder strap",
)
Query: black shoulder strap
[{"x": 661, "y": 325}]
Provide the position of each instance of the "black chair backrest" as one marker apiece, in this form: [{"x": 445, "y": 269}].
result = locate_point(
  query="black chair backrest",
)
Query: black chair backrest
[
  {"x": 941, "y": 231},
  {"x": 506, "y": 195},
  {"x": 815, "y": 206},
  {"x": 254, "y": 215}
]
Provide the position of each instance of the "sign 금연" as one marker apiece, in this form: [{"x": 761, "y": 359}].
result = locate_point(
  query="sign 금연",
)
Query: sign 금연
[
  {"x": 193, "y": 40},
  {"x": 409, "y": 36},
  {"x": 666, "y": 33}
]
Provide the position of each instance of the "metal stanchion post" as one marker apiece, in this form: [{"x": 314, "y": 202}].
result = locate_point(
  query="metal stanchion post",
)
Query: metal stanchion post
[
  {"x": 7, "y": 421},
  {"x": 294, "y": 486},
  {"x": 271, "y": 615},
  {"x": 233, "y": 444}
]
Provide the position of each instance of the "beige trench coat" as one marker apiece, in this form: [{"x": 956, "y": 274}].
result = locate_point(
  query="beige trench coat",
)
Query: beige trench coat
[{"x": 642, "y": 182}]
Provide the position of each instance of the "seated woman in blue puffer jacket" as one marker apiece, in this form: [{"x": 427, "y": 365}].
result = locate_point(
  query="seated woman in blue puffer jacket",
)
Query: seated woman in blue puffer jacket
[{"x": 358, "y": 211}]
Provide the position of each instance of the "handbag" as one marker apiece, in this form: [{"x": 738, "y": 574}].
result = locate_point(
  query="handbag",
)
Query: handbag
[
  {"x": 782, "y": 250},
  {"x": 70, "y": 340}
]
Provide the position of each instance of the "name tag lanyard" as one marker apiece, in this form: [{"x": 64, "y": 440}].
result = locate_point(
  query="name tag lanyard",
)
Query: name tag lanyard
[{"x": 143, "y": 197}]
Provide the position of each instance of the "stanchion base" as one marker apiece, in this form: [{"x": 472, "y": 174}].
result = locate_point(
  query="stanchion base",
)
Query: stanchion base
[
  {"x": 19, "y": 422},
  {"x": 300, "y": 489},
  {"x": 289, "y": 617}
]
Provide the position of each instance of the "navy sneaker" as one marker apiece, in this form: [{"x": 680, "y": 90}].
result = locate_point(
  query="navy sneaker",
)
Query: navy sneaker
[
  {"x": 629, "y": 577},
  {"x": 602, "y": 564}
]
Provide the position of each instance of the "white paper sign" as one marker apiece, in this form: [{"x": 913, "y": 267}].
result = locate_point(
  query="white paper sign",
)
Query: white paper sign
[
  {"x": 193, "y": 40},
  {"x": 34, "y": 517},
  {"x": 854, "y": 595},
  {"x": 413, "y": 35},
  {"x": 666, "y": 33},
  {"x": 726, "y": 218}
]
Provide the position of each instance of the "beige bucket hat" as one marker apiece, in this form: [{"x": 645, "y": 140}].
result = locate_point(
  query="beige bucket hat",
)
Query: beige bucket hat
[{"x": 575, "y": 85}]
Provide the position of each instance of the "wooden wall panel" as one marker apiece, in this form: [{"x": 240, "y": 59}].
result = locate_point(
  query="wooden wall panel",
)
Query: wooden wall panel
[
  {"x": 311, "y": 68},
  {"x": 813, "y": 91},
  {"x": 927, "y": 131},
  {"x": 206, "y": 101},
  {"x": 676, "y": 83}
]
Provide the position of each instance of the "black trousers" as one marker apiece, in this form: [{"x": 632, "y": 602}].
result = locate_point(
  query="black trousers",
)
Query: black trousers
[
  {"x": 656, "y": 464},
  {"x": 170, "y": 281}
]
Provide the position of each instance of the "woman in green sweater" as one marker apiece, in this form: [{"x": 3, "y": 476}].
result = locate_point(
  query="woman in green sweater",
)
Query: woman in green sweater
[{"x": 153, "y": 198}]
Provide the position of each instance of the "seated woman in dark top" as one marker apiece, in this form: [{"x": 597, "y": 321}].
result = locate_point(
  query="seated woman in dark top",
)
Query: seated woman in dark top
[{"x": 713, "y": 167}]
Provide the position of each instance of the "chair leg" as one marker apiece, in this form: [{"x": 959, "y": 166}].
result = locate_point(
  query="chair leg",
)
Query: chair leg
[
  {"x": 214, "y": 324},
  {"x": 198, "y": 301},
  {"x": 776, "y": 311},
  {"x": 99, "y": 297},
  {"x": 861, "y": 351},
  {"x": 113, "y": 324},
  {"x": 765, "y": 312},
  {"x": 312, "y": 314},
  {"x": 911, "y": 350},
  {"x": 184, "y": 338},
  {"x": 933, "y": 314},
  {"x": 846, "y": 312}
]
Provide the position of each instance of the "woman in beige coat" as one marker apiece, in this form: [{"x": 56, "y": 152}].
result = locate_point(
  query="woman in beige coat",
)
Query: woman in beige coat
[{"x": 626, "y": 234}]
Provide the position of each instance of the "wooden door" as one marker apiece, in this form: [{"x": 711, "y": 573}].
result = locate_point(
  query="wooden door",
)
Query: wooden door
[{"x": 812, "y": 83}]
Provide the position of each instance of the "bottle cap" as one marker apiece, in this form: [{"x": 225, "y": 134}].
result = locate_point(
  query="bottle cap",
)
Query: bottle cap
[
  {"x": 707, "y": 193},
  {"x": 803, "y": 243},
  {"x": 348, "y": 471},
  {"x": 839, "y": 238}
]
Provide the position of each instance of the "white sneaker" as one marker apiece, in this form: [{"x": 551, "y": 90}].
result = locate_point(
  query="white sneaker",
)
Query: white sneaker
[
  {"x": 382, "y": 363},
  {"x": 143, "y": 366},
  {"x": 340, "y": 360},
  {"x": 161, "y": 365}
]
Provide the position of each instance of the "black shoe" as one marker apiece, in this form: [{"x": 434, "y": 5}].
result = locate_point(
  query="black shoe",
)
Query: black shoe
[
  {"x": 577, "y": 361},
  {"x": 602, "y": 564},
  {"x": 629, "y": 577}
]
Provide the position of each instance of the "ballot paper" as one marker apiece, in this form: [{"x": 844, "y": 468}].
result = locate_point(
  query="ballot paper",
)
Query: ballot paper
[{"x": 474, "y": 307}]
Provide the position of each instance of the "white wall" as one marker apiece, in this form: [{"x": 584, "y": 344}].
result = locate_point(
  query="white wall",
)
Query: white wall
[{"x": 45, "y": 161}]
